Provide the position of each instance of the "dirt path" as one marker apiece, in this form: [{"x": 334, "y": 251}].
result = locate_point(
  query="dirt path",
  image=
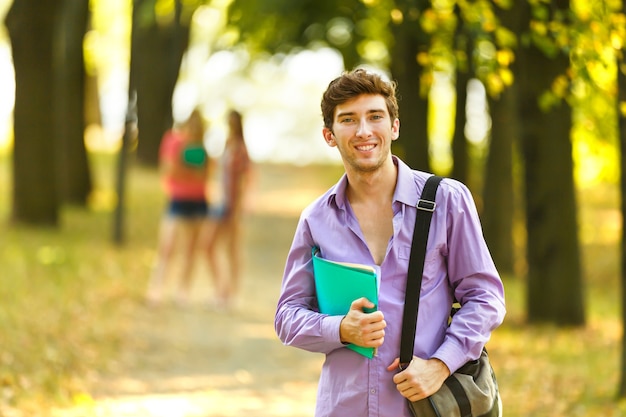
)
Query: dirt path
[
  {"x": 196, "y": 362},
  {"x": 199, "y": 363}
]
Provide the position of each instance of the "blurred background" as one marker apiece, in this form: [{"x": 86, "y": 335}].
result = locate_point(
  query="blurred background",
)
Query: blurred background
[{"x": 521, "y": 100}]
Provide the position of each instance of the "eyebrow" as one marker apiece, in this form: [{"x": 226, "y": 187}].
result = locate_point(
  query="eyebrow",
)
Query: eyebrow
[{"x": 351, "y": 113}]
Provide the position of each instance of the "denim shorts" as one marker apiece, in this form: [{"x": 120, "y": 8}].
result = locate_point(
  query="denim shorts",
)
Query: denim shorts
[
  {"x": 217, "y": 211},
  {"x": 188, "y": 209}
]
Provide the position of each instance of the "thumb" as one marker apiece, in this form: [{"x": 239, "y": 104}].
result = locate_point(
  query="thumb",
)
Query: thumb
[
  {"x": 394, "y": 365},
  {"x": 361, "y": 303}
]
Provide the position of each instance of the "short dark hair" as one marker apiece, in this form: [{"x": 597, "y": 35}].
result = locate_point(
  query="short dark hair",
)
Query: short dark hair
[{"x": 352, "y": 84}]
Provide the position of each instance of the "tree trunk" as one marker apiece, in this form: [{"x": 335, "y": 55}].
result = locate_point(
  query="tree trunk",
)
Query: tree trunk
[
  {"x": 460, "y": 155},
  {"x": 409, "y": 40},
  {"x": 31, "y": 26},
  {"x": 156, "y": 54},
  {"x": 73, "y": 165},
  {"x": 498, "y": 191},
  {"x": 554, "y": 274},
  {"x": 621, "y": 82}
]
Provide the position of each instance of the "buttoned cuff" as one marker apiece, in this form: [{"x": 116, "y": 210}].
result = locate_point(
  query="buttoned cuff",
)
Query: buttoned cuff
[
  {"x": 330, "y": 329},
  {"x": 452, "y": 355}
]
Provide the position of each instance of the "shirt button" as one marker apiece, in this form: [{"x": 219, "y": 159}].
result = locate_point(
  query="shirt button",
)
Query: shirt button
[{"x": 373, "y": 391}]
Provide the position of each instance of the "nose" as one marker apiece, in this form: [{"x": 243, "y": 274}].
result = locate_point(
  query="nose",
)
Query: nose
[{"x": 363, "y": 129}]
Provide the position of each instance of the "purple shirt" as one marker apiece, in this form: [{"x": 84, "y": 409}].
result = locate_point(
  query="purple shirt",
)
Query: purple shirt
[{"x": 457, "y": 264}]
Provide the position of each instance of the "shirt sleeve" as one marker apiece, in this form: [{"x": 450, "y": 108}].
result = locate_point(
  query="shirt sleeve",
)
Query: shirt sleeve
[
  {"x": 474, "y": 279},
  {"x": 298, "y": 321}
]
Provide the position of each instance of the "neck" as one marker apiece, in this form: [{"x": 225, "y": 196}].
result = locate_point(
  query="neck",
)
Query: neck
[{"x": 376, "y": 185}]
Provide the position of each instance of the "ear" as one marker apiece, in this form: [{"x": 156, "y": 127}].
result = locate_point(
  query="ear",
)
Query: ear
[
  {"x": 395, "y": 129},
  {"x": 329, "y": 137}
]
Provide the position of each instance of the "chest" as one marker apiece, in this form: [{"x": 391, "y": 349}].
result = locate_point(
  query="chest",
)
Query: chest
[{"x": 376, "y": 223}]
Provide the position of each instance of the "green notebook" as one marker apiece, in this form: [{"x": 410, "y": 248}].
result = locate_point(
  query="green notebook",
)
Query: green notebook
[{"x": 338, "y": 284}]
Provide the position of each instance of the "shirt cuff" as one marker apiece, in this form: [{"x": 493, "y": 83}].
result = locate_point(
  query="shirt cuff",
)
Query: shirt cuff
[
  {"x": 330, "y": 329},
  {"x": 452, "y": 355}
]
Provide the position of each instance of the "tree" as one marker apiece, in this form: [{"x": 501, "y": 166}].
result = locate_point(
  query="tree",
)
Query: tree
[
  {"x": 621, "y": 80},
  {"x": 465, "y": 35},
  {"x": 499, "y": 189},
  {"x": 499, "y": 195},
  {"x": 35, "y": 188},
  {"x": 69, "y": 95},
  {"x": 410, "y": 42},
  {"x": 554, "y": 272},
  {"x": 159, "y": 39},
  {"x": 50, "y": 159},
  {"x": 460, "y": 166},
  {"x": 621, "y": 114}
]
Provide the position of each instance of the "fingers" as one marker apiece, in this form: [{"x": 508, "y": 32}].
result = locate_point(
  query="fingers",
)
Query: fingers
[
  {"x": 394, "y": 365},
  {"x": 372, "y": 333},
  {"x": 363, "y": 329},
  {"x": 362, "y": 303},
  {"x": 374, "y": 338},
  {"x": 408, "y": 386},
  {"x": 421, "y": 379}
]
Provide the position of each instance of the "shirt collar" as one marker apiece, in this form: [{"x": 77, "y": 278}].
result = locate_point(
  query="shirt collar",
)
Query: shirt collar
[{"x": 406, "y": 188}]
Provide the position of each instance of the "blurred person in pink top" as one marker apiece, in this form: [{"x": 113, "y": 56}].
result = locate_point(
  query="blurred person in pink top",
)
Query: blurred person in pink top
[{"x": 183, "y": 164}]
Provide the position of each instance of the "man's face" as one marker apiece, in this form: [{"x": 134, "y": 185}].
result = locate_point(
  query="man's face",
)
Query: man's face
[{"x": 363, "y": 132}]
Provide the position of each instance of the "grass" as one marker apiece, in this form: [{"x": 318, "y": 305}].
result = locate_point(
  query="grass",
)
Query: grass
[
  {"x": 64, "y": 295},
  {"x": 548, "y": 371}
]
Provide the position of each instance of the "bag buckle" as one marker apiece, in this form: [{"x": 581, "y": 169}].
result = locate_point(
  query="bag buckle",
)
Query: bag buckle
[{"x": 426, "y": 205}]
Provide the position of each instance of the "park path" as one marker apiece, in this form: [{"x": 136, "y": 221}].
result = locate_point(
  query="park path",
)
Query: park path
[{"x": 195, "y": 362}]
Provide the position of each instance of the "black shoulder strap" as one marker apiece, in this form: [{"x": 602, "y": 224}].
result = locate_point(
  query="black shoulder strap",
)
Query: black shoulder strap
[{"x": 425, "y": 208}]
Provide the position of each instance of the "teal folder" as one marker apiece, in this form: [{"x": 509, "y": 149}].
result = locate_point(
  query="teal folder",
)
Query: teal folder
[{"x": 338, "y": 284}]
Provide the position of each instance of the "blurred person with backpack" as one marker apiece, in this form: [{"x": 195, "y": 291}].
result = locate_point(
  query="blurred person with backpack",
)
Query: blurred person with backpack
[{"x": 184, "y": 165}]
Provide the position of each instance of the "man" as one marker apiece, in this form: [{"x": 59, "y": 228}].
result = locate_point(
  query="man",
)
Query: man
[{"x": 368, "y": 217}]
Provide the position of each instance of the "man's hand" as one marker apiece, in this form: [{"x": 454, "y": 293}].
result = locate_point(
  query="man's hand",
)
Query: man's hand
[
  {"x": 363, "y": 329},
  {"x": 421, "y": 379}
]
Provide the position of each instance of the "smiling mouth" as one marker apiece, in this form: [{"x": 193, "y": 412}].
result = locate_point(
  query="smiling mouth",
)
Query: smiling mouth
[{"x": 365, "y": 148}]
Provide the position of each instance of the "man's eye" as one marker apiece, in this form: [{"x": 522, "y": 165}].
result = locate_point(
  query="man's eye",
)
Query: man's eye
[
  {"x": 377, "y": 117},
  {"x": 346, "y": 120}
]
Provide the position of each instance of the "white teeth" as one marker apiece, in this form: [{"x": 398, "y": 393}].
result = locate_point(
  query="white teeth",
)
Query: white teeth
[{"x": 366, "y": 147}]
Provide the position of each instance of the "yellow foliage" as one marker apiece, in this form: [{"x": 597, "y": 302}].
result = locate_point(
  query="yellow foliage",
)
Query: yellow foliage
[
  {"x": 495, "y": 84},
  {"x": 595, "y": 161},
  {"x": 423, "y": 58},
  {"x": 396, "y": 16},
  {"x": 622, "y": 108},
  {"x": 505, "y": 37},
  {"x": 560, "y": 86},
  {"x": 505, "y": 57},
  {"x": 539, "y": 28},
  {"x": 164, "y": 10},
  {"x": 429, "y": 21}
]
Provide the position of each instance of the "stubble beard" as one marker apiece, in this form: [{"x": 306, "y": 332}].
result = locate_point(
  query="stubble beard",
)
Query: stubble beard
[{"x": 367, "y": 167}]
